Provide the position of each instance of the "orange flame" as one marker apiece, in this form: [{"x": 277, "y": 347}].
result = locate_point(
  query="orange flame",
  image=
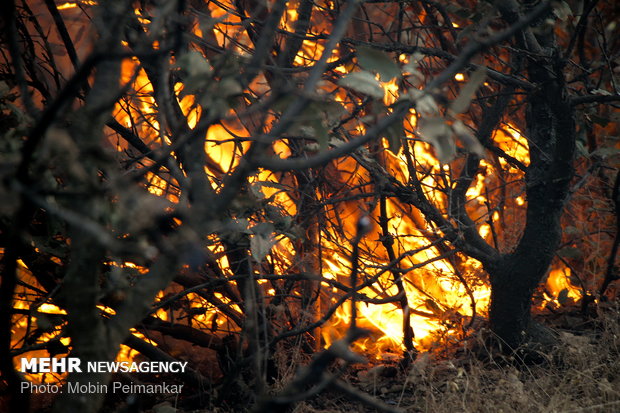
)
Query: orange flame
[{"x": 437, "y": 297}]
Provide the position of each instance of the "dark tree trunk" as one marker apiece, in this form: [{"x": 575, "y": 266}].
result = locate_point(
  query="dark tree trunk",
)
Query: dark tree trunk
[
  {"x": 551, "y": 135},
  {"x": 513, "y": 281},
  {"x": 509, "y": 314},
  {"x": 514, "y": 276}
]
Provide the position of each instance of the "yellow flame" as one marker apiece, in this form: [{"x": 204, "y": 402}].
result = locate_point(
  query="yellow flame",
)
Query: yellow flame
[
  {"x": 559, "y": 281},
  {"x": 434, "y": 293}
]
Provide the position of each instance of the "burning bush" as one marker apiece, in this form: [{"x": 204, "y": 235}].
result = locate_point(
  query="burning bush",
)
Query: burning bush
[{"x": 241, "y": 184}]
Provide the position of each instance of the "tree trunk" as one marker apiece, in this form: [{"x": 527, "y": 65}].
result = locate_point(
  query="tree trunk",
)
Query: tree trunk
[
  {"x": 510, "y": 311},
  {"x": 513, "y": 282},
  {"x": 551, "y": 135},
  {"x": 514, "y": 276},
  {"x": 509, "y": 314}
]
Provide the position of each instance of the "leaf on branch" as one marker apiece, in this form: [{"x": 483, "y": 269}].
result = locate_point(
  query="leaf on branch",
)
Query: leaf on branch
[
  {"x": 562, "y": 10},
  {"x": 570, "y": 252},
  {"x": 194, "y": 64},
  {"x": 315, "y": 121},
  {"x": 463, "y": 34},
  {"x": 570, "y": 230},
  {"x": 394, "y": 134},
  {"x": 411, "y": 70},
  {"x": 467, "y": 138},
  {"x": 563, "y": 296},
  {"x": 425, "y": 104},
  {"x": 606, "y": 152},
  {"x": 332, "y": 111},
  {"x": 377, "y": 61},
  {"x": 462, "y": 101},
  {"x": 197, "y": 75},
  {"x": 228, "y": 87},
  {"x": 581, "y": 149},
  {"x": 436, "y": 132},
  {"x": 601, "y": 92},
  {"x": 363, "y": 82},
  {"x": 271, "y": 184},
  {"x": 261, "y": 245},
  {"x": 318, "y": 131}
]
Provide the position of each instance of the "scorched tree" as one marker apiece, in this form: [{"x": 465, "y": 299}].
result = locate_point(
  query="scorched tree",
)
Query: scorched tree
[{"x": 246, "y": 177}]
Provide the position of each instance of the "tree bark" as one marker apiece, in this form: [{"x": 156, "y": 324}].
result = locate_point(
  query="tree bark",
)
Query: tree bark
[
  {"x": 509, "y": 313},
  {"x": 551, "y": 134}
]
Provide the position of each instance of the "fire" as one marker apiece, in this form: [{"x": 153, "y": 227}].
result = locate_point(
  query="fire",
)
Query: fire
[
  {"x": 559, "y": 289},
  {"x": 443, "y": 291},
  {"x": 74, "y": 4},
  {"x": 514, "y": 144},
  {"x": 35, "y": 322},
  {"x": 433, "y": 293}
]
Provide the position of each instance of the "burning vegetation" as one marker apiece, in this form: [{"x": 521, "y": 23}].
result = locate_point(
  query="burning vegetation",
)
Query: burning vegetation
[{"x": 240, "y": 185}]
